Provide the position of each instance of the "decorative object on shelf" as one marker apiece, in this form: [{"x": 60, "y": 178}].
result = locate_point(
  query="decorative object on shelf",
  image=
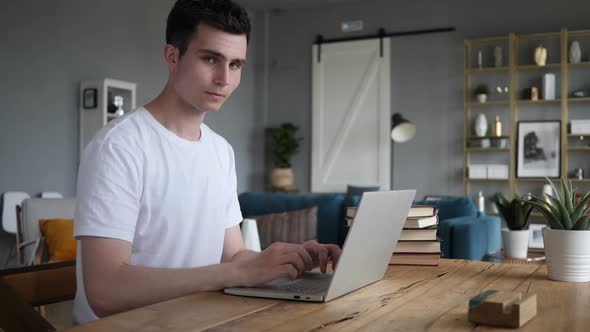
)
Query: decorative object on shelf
[
  {"x": 498, "y": 61},
  {"x": 549, "y": 86},
  {"x": 540, "y": 56},
  {"x": 481, "y": 93},
  {"x": 89, "y": 99},
  {"x": 547, "y": 191},
  {"x": 538, "y": 149},
  {"x": 567, "y": 238},
  {"x": 284, "y": 145},
  {"x": 118, "y": 102},
  {"x": 402, "y": 130},
  {"x": 479, "y": 60},
  {"x": 581, "y": 126},
  {"x": 536, "y": 237},
  {"x": 481, "y": 202},
  {"x": 497, "y": 129},
  {"x": 481, "y": 126},
  {"x": 516, "y": 214},
  {"x": 579, "y": 173},
  {"x": 485, "y": 143},
  {"x": 575, "y": 52},
  {"x": 534, "y": 93},
  {"x": 580, "y": 94}
]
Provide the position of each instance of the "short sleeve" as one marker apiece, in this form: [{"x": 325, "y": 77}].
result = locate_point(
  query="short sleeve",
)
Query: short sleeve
[
  {"x": 234, "y": 214},
  {"x": 108, "y": 193}
]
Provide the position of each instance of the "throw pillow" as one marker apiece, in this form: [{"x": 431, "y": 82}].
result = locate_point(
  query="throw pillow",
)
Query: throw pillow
[
  {"x": 59, "y": 236},
  {"x": 293, "y": 226}
]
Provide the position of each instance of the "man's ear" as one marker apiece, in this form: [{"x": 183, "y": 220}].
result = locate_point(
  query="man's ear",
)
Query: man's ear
[{"x": 171, "y": 56}]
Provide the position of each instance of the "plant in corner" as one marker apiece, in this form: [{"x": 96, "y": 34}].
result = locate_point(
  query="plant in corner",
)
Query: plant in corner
[
  {"x": 481, "y": 93},
  {"x": 284, "y": 145},
  {"x": 516, "y": 214},
  {"x": 567, "y": 238}
]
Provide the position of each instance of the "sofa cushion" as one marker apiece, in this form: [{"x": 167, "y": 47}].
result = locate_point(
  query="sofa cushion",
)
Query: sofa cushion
[
  {"x": 292, "y": 226},
  {"x": 452, "y": 207},
  {"x": 330, "y": 216}
]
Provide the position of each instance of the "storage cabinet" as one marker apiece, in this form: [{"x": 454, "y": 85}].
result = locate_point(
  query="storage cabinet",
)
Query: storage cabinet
[{"x": 97, "y": 105}]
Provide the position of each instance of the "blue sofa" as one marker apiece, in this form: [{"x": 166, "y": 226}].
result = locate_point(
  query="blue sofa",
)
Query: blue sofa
[{"x": 465, "y": 233}]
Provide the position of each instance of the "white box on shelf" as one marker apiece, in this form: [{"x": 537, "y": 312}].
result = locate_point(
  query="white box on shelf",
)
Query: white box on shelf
[
  {"x": 497, "y": 171},
  {"x": 549, "y": 86},
  {"x": 478, "y": 171},
  {"x": 580, "y": 126}
]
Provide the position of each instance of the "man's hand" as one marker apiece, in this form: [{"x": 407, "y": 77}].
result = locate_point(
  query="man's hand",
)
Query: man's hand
[
  {"x": 322, "y": 254},
  {"x": 278, "y": 260}
]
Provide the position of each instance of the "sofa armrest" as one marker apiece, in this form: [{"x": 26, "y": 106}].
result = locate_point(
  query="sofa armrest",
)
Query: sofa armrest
[{"x": 470, "y": 237}]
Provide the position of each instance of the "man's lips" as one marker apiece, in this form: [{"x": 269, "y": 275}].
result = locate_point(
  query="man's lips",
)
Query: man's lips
[{"x": 218, "y": 95}]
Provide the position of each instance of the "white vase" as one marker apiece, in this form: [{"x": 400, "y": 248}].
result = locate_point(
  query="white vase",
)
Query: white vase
[
  {"x": 482, "y": 98},
  {"x": 498, "y": 61},
  {"x": 480, "y": 125},
  {"x": 516, "y": 243},
  {"x": 567, "y": 254},
  {"x": 575, "y": 52}
]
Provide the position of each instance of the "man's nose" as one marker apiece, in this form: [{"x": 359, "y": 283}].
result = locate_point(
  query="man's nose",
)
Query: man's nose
[{"x": 222, "y": 75}]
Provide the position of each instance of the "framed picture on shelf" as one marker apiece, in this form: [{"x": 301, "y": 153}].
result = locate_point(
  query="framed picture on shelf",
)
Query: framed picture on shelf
[
  {"x": 536, "y": 237},
  {"x": 89, "y": 97},
  {"x": 538, "y": 151}
]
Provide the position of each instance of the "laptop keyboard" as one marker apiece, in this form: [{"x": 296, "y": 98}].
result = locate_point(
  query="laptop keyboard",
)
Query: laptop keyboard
[{"x": 307, "y": 284}]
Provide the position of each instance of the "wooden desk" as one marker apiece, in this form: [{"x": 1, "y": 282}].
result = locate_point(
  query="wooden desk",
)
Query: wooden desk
[{"x": 408, "y": 298}]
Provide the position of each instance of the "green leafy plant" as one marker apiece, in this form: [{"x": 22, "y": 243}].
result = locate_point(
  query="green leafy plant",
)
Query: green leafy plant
[
  {"x": 284, "y": 144},
  {"x": 516, "y": 212},
  {"x": 563, "y": 210},
  {"x": 482, "y": 89}
]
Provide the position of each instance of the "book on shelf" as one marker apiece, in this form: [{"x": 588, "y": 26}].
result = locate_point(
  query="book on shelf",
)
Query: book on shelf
[
  {"x": 426, "y": 259},
  {"x": 417, "y": 247},
  {"x": 416, "y": 211},
  {"x": 418, "y": 234}
]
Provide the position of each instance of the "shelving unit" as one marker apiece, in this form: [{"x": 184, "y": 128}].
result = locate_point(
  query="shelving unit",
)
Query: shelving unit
[
  {"x": 519, "y": 72},
  {"x": 96, "y": 117}
]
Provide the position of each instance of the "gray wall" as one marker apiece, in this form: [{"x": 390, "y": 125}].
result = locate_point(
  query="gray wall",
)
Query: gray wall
[
  {"x": 49, "y": 46},
  {"x": 427, "y": 71}
]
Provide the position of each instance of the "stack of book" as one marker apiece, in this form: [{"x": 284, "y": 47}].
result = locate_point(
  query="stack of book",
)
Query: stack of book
[{"x": 418, "y": 243}]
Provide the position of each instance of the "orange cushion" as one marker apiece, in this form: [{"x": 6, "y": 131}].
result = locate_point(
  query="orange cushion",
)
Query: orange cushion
[{"x": 59, "y": 236}]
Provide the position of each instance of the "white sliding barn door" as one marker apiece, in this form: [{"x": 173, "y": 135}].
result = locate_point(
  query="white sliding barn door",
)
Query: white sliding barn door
[{"x": 351, "y": 115}]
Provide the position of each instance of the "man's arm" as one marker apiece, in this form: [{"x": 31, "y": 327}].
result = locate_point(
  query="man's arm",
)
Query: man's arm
[{"x": 113, "y": 285}]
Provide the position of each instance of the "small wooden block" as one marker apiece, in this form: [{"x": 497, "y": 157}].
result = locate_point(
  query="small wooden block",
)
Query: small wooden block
[{"x": 501, "y": 308}]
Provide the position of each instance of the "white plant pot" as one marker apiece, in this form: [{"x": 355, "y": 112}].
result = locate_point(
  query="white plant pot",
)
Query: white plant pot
[
  {"x": 516, "y": 243},
  {"x": 482, "y": 97},
  {"x": 567, "y": 254}
]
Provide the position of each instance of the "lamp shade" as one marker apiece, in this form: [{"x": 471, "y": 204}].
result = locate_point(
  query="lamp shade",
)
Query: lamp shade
[{"x": 402, "y": 130}]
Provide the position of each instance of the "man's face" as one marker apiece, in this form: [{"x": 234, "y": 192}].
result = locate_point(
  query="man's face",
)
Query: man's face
[{"x": 210, "y": 69}]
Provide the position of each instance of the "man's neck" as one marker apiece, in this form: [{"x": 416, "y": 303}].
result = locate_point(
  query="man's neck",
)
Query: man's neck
[{"x": 177, "y": 116}]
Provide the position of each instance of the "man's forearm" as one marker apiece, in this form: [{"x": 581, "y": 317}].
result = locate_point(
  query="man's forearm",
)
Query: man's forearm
[
  {"x": 135, "y": 286},
  {"x": 244, "y": 254}
]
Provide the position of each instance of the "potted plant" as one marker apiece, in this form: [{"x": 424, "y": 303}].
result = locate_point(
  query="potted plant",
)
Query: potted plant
[
  {"x": 567, "y": 238},
  {"x": 284, "y": 145},
  {"x": 481, "y": 93},
  {"x": 516, "y": 214}
]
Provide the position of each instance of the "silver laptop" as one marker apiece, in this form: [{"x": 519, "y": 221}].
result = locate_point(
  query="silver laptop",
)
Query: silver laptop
[{"x": 365, "y": 255}]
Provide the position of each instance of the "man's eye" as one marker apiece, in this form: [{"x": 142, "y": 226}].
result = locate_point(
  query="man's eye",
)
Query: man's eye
[
  {"x": 235, "y": 65},
  {"x": 210, "y": 59}
]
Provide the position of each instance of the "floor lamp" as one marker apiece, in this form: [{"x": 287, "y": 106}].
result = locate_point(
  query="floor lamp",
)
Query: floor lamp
[{"x": 402, "y": 131}]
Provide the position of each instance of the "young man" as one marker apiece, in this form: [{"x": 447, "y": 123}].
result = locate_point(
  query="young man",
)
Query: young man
[{"x": 157, "y": 214}]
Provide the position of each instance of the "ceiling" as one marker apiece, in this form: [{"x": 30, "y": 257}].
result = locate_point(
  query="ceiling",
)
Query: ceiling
[{"x": 290, "y": 4}]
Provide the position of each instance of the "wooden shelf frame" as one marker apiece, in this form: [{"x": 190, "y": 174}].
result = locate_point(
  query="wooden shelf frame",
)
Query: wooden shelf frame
[{"x": 512, "y": 105}]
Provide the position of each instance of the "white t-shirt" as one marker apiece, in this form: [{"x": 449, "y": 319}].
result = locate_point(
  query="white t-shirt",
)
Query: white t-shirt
[{"x": 172, "y": 199}]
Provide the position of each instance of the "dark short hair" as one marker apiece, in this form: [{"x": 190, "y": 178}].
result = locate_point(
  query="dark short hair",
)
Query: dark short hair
[{"x": 185, "y": 16}]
